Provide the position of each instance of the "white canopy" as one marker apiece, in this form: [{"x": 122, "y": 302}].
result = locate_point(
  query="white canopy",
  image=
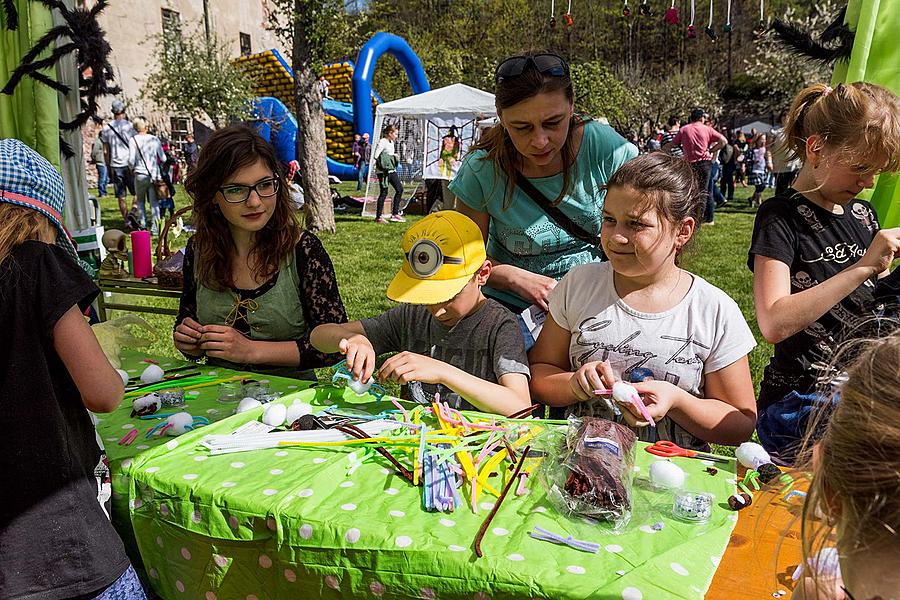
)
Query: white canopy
[{"x": 458, "y": 99}]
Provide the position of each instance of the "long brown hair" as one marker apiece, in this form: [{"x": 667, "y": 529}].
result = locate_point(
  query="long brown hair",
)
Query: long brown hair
[
  {"x": 496, "y": 141},
  {"x": 227, "y": 151},
  {"x": 856, "y": 461},
  {"x": 859, "y": 119},
  {"x": 20, "y": 225}
]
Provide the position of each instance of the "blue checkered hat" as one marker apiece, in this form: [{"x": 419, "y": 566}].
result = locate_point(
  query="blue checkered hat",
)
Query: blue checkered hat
[{"x": 28, "y": 179}]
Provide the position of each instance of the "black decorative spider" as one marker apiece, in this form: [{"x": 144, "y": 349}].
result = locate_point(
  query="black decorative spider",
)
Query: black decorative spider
[{"x": 92, "y": 50}]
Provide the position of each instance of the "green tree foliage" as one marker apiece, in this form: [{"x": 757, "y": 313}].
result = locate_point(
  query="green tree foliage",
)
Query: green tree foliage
[
  {"x": 600, "y": 94},
  {"x": 193, "y": 75}
]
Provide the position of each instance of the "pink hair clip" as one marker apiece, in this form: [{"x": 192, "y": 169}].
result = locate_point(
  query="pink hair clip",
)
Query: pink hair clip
[{"x": 828, "y": 89}]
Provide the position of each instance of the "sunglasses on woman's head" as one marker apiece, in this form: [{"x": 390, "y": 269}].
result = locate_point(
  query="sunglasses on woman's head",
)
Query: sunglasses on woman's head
[{"x": 545, "y": 63}]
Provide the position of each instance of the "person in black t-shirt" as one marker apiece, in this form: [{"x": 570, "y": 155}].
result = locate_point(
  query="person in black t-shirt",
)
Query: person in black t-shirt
[
  {"x": 817, "y": 249},
  {"x": 56, "y": 540}
]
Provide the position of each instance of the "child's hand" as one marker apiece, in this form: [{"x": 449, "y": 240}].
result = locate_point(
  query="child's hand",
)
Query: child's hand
[
  {"x": 409, "y": 366},
  {"x": 883, "y": 250},
  {"x": 222, "y": 341},
  {"x": 360, "y": 356},
  {"x": 591, "y": 376},
  {"x": 187, "y": 336},
  {"x": 658, "y": 396}
]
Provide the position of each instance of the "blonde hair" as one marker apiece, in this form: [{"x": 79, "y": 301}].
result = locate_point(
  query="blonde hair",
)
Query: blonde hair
[
  {"x": 140, "y": 124},
  {"x": 855, "y": 456},
  {"x": 859, "y": 119},
  {"x": 20, "y": 224}
]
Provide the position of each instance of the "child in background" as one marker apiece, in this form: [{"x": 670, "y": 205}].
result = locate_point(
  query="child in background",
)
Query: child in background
[
  {"x": 812, "y": 273},
  {"x": 854, "y": 483},
  {"x": 55, "y": 538},
  {"x": 641, "y": 312},
  {"x": 451, "y": 339}
]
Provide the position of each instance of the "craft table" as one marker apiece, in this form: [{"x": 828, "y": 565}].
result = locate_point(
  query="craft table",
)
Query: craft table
[
  {"x": 113, "y": 426},
  {"x": 133, "y": 287}
]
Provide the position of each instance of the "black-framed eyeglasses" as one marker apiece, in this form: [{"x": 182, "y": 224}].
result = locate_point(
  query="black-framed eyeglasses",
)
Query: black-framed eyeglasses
[
  {"x": 546, "y": 63},
  {"x": 235, "y": 193}
]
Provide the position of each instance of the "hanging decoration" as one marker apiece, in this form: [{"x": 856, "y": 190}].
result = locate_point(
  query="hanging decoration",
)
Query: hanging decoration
[
  {"x": 710, "y": 32},
  {"x": 672, "y": 14},
  {"x": 644, "y": 9},
  {"x": 692, "y": 31},
  {"x": 568, "y": 16},
  {"x": 727, "y": 26},
  {"x": 760, "y": 28},
  {"x": 626, "y": 12},
  {"x": 552, "y": 14}
]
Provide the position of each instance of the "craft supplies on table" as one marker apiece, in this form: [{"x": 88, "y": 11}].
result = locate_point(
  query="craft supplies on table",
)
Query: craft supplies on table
[{"x": 669, "y": 449}]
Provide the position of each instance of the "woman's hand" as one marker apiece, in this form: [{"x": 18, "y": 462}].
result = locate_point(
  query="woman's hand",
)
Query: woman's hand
[
  {"x": 658, "y": 396},
  {"x": 227, "y": 343},
  {"x": 187, "y": 337},
  {"x": 360, "y": 356},
  {"x": 595, "y": 375},
  {"x": 532, "y": 288},
  {"x": 409, "y": 366}
]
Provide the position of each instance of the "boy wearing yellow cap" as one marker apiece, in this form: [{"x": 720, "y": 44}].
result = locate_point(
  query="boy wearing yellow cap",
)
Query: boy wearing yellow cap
[{"x": 450, "y": 338}]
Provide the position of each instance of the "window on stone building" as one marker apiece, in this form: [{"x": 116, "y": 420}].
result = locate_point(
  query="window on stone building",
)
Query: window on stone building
[
  {"x": 245, "y": 44},
  {"x": 171, "y": 28}
]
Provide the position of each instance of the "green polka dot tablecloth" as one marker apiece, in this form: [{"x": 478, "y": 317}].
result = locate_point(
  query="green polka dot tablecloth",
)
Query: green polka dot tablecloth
[
  {"x": 291, "y": 523},
  {"x": 113, "y": 426}
]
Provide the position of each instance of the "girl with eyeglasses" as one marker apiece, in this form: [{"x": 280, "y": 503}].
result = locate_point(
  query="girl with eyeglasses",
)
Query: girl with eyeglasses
[
  {"x": 565, "y": 157},
  {"x": 255, "y": 283}
]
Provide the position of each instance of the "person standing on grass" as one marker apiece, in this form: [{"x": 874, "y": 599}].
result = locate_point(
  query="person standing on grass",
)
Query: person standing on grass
[
  {"x": 671, "y": 130},
  {"x": 699, "y": 142},
  {"x": 145, "y": 156},
  {"x": 116, "y": 135},
  {"x": 386, "y": 165},
  {"x": 98, "y": 158},
  {"x": 535, "y": 234},
  {"x": 817, "y": 249},
  {"x": 56, "y": 540},
  {"x": 759, "y": 165},
  {"x": 784, "y": 168},
  {"x": 728, "y": 159},
  {"x": 255, "y": 283}
]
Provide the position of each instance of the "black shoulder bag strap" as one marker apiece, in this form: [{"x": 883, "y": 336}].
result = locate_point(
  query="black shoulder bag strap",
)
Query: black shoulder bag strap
[{"x": 564, "y": 222}]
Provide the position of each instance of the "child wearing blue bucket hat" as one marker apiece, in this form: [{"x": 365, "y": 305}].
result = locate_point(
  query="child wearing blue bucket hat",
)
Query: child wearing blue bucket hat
[{"x": 56, "y": 540}]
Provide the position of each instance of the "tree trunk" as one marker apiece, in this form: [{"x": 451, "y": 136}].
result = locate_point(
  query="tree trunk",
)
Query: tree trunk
[{"x": 311, "y": 147}]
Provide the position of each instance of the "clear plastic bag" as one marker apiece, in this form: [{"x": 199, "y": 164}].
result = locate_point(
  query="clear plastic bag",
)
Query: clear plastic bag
[{"x": 589, "y": 470}]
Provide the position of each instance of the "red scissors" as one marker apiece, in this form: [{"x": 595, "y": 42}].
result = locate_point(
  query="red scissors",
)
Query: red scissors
[{"x": 668, "y": 449}]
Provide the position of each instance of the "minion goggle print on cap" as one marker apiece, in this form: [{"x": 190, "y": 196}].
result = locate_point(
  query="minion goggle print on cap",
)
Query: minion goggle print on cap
[{"x": 426, "y": 258}]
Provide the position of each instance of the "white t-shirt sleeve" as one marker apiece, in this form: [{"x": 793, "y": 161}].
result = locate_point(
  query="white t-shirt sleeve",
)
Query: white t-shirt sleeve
[
  {"x": 733, "y": 340},
  {"x": 559, "y": 300}
]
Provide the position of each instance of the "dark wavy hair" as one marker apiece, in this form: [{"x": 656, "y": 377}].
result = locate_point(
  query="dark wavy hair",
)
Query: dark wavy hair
[
  {"x": 496, "y": 141},
  {"x": 226, "y": 151}
]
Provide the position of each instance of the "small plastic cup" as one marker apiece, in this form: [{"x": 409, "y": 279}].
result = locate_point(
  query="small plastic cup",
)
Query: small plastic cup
[
  {"x": 256, "y": 389},
  {"x": 230, "y": 392},
  {"x": 693, "y": 507}
]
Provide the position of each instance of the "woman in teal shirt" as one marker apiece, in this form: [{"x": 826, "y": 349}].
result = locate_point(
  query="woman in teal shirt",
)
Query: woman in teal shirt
[{"x": 565, "y": 156}]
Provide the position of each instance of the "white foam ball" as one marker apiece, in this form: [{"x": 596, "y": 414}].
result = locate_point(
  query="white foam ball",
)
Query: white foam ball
[
  {"x": 751, "y": 455},
  {"x": 179, "y": 423},
  {"x": 247, "y": 404},
  {"x": 274, "y": 414},
  {"x": 667, "y": 475},
  {"x": 150, "y": 400},
  {"x": 152, "y": 374},
  {"x": 297, "y": 410},
  {"x": 359, "y": 387},
  {"x": 623, "y": 392},
  {"x": 123, "y": 375}
]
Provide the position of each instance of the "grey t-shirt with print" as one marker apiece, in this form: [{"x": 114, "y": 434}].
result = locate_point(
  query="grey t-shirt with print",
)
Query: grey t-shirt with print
[{"x": 487, "y": 344}]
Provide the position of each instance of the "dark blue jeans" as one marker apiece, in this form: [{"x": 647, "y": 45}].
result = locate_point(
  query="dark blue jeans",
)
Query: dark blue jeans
[
  {"x": 102, "y": 179},
  {"x": 782, "y": 426}
]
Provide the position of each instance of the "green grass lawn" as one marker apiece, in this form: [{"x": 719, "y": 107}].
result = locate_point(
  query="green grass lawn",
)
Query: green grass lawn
[{"x": 367, "y": 255}]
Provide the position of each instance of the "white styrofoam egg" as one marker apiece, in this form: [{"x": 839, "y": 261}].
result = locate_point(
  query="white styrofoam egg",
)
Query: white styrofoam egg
[
  {"x": 145, "y": 402},
  {"x": 623, "y": 392},
  {"x": 667, "y": 475},
  {"x": 152, "y": 374},
  {"x": 123, "y": 375},
  {"x": 360, "y": 387},
  {"x": 297, "y": 410},
  {"x": 274, "y": 414},
  {"x": 751, "y": 455},
  {"x": 247, "y": 404},
  {"x": 179, "y": 423}
]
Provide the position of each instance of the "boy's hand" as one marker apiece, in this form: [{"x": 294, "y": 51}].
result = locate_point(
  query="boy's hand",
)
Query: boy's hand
[
  {"x": 187, "y": 337},
  {"x": 222, "y": 341},
  {"x": 591, "y": 376},
  {"x": 409, "y": 366},
  {"x": 360, "y": 356},
  {"x": 659, "y": 397}
]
